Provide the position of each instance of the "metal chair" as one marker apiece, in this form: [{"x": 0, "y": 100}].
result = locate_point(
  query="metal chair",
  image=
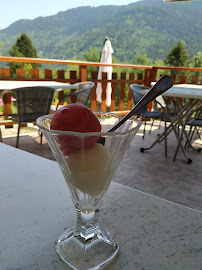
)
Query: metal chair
[
  {"x": 195, "y": 125},
  {"x": 136, "y": 93},
  {"x": 31, "y": 102},
  {"x": 160, "y": 115},
  {"x": 83, "y": 94}
]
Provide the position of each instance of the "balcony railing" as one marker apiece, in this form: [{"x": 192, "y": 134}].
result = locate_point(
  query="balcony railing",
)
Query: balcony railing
[{"x": 121, "y": 97}]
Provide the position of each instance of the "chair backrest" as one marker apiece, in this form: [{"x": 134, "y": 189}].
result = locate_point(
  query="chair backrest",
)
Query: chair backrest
[
  {"x": 85, "y": 89},
  {"x": 33, "y": 102},
  {"x": 194, "y": 118},
  {"x": 137, "y": 96}
]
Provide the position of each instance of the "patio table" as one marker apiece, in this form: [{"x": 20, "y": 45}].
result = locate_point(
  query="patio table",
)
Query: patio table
[
  {"x": 36, "y": 208},
  {"x": 193, "y": 93},
  {"x": 8, "y": 85}
]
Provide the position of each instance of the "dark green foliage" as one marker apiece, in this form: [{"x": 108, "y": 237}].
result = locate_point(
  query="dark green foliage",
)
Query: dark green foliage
[
  {"x": 92, "y": 56},
  {"x": 23, "y": 48},
  {"x": 147, "y": 27},
  {"x": 141, "y": 60},
  {"x": 177, "y": 56},
  {"x": 196, "y": 61}
]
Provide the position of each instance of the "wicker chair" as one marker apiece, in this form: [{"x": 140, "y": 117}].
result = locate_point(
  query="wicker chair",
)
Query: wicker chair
[
  {"x": 31, "y": 102},
  {"x": 83, "y": 94}
]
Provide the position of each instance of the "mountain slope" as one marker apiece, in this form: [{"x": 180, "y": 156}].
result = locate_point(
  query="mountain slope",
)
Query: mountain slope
[{"x": 148, "y": 26}]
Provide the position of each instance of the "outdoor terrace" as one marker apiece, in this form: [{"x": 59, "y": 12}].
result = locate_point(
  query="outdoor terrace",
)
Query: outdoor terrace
[{"x": 149, "y": 172}]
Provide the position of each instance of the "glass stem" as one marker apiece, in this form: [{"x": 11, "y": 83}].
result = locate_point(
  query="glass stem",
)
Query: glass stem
[{"x": 87, "y": 225}]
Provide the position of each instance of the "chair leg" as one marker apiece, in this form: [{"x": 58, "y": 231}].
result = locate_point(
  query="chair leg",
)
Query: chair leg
[
  {"x": 198, "y": 136},
  {"x": 166, "y": 152},
  {"x": 189, "y": 161},
  {"x": 151, "y": 126},
  {"x": 144, "y": 129},
  {"x": 18, "y": 134},
  {"x": 188, "y": 141},
  {"x": 41, "y": 137},
  {"x": 159, "y": 124},
  {"x": 190, "y": 135}
]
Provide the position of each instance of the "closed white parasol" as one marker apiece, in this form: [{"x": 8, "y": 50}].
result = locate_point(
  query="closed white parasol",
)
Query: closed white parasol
[{"x": 106, "y": 57}]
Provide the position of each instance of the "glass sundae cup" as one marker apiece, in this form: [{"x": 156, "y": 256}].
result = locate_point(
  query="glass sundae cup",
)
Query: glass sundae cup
[{"x": 88, "y": 173}]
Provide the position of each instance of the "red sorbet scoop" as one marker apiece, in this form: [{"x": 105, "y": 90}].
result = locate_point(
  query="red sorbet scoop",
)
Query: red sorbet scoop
[{"x": 77, "y": 118}]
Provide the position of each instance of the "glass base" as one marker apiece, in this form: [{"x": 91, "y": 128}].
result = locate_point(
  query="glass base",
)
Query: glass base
[{"x": 85, "y": 252}]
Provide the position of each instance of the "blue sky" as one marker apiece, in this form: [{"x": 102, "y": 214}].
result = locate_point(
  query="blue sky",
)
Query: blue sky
[{"x": 12, "y": 11}]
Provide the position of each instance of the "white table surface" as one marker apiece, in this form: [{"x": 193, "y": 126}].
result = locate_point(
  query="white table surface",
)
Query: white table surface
[
  {"x": 182, "y": 90},
  {"x": 35, "y": 208},
  {"x": 8, "y": 85}
]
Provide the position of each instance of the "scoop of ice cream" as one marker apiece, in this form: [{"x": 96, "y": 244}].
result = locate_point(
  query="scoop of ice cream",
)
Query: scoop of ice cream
[
  {"x": 89, "y": 170},
  {"x": 92, "y": 159},
  {"x": 77, "y": 118}
]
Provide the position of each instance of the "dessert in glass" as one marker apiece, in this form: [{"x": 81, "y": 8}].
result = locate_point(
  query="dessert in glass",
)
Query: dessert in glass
[{"x": 88, "y": 168}]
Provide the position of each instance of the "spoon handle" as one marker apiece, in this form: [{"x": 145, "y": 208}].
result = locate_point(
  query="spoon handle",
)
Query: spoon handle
[{"x": 163, "y": 84}]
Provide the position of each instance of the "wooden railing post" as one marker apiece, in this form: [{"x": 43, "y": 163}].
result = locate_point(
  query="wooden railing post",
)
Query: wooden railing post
[
  {"x": 139, "y": 78},
  {"x": 113, "y": 95},
  {"x": 103, "y": 107},
  {"x": 60, "y": 74},
  {"x": 7, "y": 104},
  {"x": 73, "y": 79},
  {"x": 153, "y": 75},
  {"x": 83, "y": 73},
  {"x": 73, "y": 76},
  {"x": 147, "y": 77},
  {"x": 20, "y": 73},
  {"x": 5, "y": 73},
  {"x": 129, "y": 103},
  {"x": 34, "y": 73},
  {"x": 183, "y": 79},
  {"x": 48, "y": 74},
  {"x": 122, "y": 92},
  {"x": 93, "y": 107},
  {"x": 195, "y": 79},
  {"x": 150, "y": 76},
  {"x": 174, "y": 77}
]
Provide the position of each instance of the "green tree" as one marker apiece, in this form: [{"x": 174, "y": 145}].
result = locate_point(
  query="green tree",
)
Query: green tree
[
  {"x": 23, "y": 48},
  {"x": 196, "y": 61},
  {"x": 92, "y": 56},
  {"x": 141, "y": 59},
  {"x": 177, "y": 56}
]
